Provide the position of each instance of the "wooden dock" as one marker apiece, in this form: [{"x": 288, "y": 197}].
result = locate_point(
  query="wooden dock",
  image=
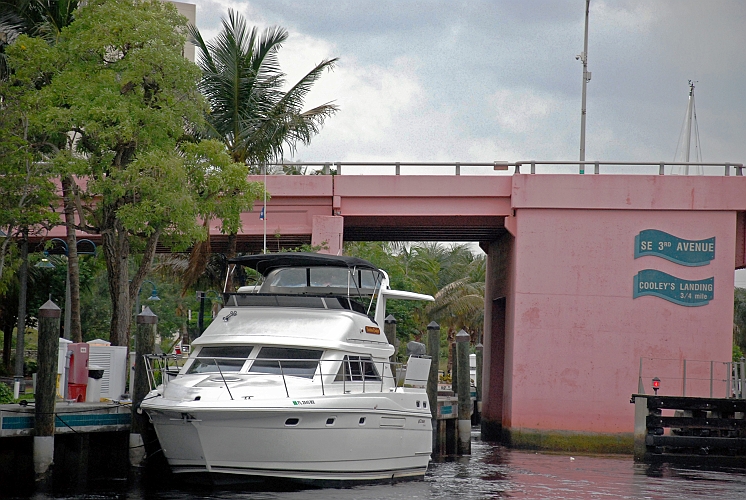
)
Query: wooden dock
[
  {"x": 17, "y": 420},
  {"x": 705, "y": 430},
  {"x": 91, "y": 444}
]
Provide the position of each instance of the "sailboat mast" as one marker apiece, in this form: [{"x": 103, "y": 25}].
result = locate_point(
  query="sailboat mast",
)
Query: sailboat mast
[{"x": 689, "y": 119}]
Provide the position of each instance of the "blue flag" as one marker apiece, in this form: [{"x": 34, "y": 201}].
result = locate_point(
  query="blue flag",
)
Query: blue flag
[{"x": 261, "y": 214}]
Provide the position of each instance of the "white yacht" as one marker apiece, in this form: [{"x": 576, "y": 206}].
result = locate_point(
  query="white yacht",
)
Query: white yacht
[{"x": 293, "y": 380}]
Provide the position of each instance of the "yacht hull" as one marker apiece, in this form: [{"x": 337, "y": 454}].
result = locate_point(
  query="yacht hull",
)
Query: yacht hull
[{"x": 326, "y": 444}]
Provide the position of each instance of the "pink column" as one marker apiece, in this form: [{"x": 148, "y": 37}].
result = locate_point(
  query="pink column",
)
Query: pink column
[{"x": 327, "y": 232}]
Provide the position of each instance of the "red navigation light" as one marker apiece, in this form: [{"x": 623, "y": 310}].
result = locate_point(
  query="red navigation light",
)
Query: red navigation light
[{"x": 656, "y": 385}]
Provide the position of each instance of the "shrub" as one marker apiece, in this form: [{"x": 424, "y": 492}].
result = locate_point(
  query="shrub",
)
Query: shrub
[
  {"x": 30, "y": 367},
  {"x": 6, "y": 394}
]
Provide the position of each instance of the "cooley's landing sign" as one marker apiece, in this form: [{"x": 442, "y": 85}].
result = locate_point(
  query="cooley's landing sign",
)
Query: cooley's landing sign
[{"x": 681, "y": 251}]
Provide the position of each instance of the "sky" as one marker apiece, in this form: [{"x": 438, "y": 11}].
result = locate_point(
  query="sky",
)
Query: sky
[{"x": 479, "y": 81}]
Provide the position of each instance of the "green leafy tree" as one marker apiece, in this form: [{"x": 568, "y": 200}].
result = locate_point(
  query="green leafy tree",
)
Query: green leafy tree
[
  {"x": 26, "y": 190},
  {"x": 453, "y": 275},
  {"x": 116, "y": 84},
  {"x": 45, "y": 19}
]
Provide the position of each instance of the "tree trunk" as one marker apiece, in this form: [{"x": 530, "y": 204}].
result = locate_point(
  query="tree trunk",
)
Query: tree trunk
[
  {"x": 7, "y": 325},
  {"x": 76, "y": 335},
  {"x": 116, "y": 253},
  {"x": 22, "y": 288},
  {"x": 122, "y": 291}
]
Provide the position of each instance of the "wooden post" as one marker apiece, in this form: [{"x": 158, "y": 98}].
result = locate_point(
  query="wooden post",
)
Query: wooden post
[
  {"x": 480, "y": 360},
  {"x": 145, "y": 344},
  {"x": 464, "y": 393},
  {"x": 433, "y": 350},
  {"x": 46, "y": 378},
  {"x": 454, "y": 368},
  {"x": 389, "y": 328},
  {"x": 641, "y": 428}
]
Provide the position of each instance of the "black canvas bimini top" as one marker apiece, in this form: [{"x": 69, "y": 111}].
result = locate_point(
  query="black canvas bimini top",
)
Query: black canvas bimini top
[{"x": 266, "y": 263}]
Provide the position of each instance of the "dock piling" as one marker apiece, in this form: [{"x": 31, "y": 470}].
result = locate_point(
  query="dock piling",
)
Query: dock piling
[
  {"x": 144, "y": 344},
  {"x": 48, "y": 348},
  {"x": 464, "y": 393},
  {"x": 480, "y": 361},
  {"x": 433, "y": 350}
]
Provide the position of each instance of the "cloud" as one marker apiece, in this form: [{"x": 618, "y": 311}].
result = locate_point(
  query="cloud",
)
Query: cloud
[{"x": 481, "y": 80}]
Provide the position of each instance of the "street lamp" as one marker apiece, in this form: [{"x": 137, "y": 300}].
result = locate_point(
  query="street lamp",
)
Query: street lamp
[
  {"x": 45, "y": 263},
  {"x": 153, "y": 296},
  {"x": 201, "y": 297}
]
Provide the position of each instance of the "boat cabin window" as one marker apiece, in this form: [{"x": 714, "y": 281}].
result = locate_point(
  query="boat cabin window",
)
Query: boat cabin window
[
  {"x": 287, "y": 361},
  {"x": 355, "y": 368},
  {"x": 228, "y": 358}
]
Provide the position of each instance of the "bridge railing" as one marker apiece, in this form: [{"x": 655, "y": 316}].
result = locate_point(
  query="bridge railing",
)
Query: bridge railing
[
  {"x": 594, "y": 167},
  {"x": 727, "y": 168},
  {"x": 693, "y": 378}
]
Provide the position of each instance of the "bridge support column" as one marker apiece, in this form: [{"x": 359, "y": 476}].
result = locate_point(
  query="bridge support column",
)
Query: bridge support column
[
  {"x": 496, "y": 394},
  {"x": 327, "y": 232}
]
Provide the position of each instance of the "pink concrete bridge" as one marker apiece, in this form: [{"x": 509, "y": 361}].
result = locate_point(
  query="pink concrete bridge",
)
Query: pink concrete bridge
[{"x": 577, "y": 292}]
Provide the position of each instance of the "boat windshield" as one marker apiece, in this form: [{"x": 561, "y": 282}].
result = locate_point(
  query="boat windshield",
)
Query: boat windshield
[
  {"x": 220, "y": 359},
  {"x": 287, "y": 361},
  {"x": 322, "y": 280}
]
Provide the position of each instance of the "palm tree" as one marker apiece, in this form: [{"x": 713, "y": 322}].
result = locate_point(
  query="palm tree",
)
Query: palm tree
[
  {"x": 242, "y": 81},
  {"x": 38, "y": 18},
  {"x": 249, "y": 111}
]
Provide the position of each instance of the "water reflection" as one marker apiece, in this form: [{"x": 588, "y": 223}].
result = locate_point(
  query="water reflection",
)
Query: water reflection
[{"x": 491, "y": 472}]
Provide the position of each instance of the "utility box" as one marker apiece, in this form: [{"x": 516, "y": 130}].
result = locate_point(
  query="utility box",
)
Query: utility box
[
  {"x": 61, "y": 358},
  {"x": 78, "y": 363},
  {"x": 113, "y": 359}
]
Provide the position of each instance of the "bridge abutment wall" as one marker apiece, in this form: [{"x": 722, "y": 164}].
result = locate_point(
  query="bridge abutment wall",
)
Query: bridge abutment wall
[{"x": 574, "y": 327}]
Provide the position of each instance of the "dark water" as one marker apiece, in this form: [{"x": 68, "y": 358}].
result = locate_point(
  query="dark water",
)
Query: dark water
[{"x": 496, "y": 472}]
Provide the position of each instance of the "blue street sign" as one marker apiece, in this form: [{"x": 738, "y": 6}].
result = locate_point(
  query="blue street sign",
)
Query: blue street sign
[
  {"x": 679, "y": 291},
  {"x": 678, "y": 250}
]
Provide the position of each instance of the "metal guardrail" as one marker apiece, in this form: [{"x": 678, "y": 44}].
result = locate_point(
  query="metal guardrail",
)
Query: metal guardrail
[
  {"x": 597, "y": 165},
  {"x": 161, "y": 368},
  {"x": 690, "y": 377},
  {"x": 326, "y": 167}
]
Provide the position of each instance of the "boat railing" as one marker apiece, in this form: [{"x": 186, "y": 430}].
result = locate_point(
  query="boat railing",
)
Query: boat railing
[
  {"x": 370, "y": 376},
  {"x": 162, "y": 368}
]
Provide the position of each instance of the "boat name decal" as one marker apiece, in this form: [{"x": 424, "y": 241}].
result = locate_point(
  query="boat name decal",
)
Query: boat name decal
[
  {"x": 673, "y": 289},
  {"x": 675, "y": 249},
  {"x": 306, "y": 402},
  {"x": 372, "y": 329}
]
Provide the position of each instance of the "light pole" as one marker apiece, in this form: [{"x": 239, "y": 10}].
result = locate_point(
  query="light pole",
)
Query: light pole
[
  {"x": 45, "y": 263},
  {"x": 201, "y": 296},
  {"x": 153, "y": 296},
  {"x": 583, "y": 57}
]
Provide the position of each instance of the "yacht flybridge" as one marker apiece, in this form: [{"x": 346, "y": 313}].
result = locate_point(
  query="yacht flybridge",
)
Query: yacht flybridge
[{"x": 293, "y": 380}]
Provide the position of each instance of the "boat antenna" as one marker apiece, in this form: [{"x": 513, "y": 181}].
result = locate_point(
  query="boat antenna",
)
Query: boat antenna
[{"x": 231, "y": 267}]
